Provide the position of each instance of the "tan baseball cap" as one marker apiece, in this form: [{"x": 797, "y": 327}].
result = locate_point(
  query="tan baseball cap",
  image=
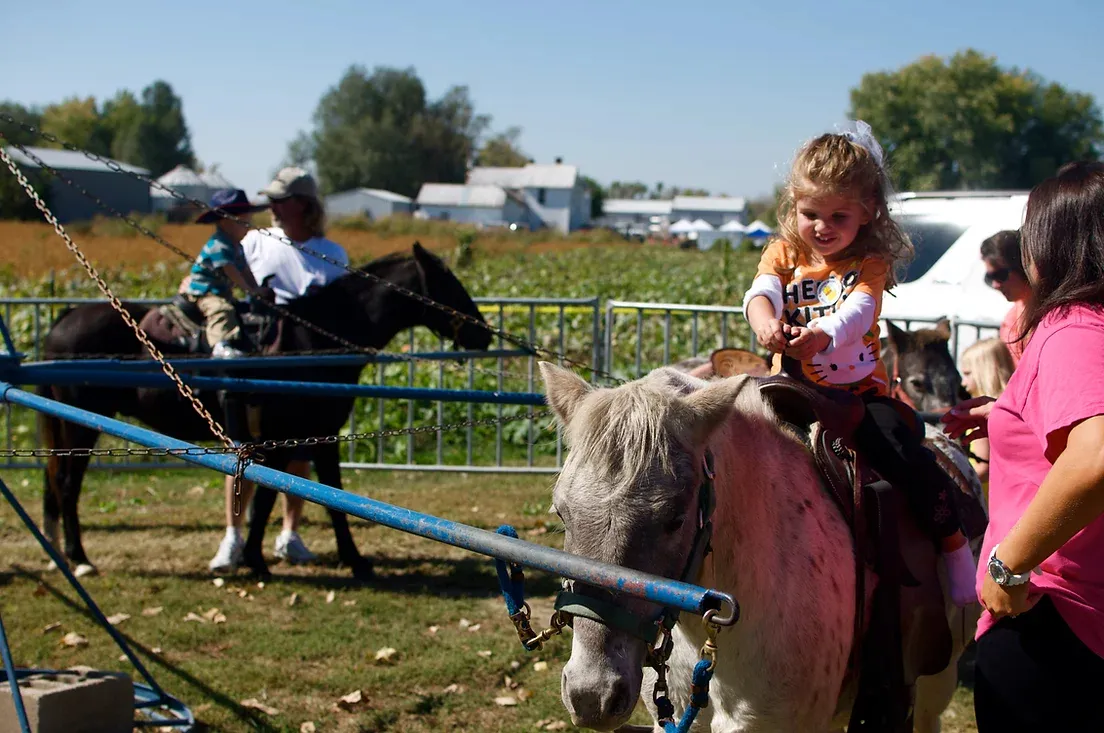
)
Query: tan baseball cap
[{"x": 291, "y": 181}]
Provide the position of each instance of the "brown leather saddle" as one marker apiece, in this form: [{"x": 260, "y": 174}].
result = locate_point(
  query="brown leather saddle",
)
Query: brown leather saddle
[
  {"x": 179, "y": 327},
  {"x": 886, "y": 537}
]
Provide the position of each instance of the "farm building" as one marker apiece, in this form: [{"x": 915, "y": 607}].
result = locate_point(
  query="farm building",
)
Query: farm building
[
  {"x": 185, "y": 182},
  {"x": 660, "y": 213},
  {"x": 550, "y": 196},
  {"x": 120, "y": 191},
  {"x": 372, "y": 203},
  {"x": 467, "y": 204}
]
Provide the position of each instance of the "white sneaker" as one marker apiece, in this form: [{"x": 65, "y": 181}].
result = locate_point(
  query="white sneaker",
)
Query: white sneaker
[
  {"x": 230, "y": 553},
  {"x": 223, "y": 350},
  {"x": 290, "y": 547}
]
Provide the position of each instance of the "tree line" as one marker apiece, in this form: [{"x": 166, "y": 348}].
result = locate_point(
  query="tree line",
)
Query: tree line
[{"x": 963, "y": 122}]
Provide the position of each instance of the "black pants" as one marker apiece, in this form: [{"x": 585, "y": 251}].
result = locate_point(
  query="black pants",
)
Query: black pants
[
  {"x": 894, "y": 450},
  {"x": 1034, "y": 674}
]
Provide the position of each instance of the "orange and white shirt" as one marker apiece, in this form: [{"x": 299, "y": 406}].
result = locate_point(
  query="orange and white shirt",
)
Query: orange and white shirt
[{"x": 844, "y": 299}]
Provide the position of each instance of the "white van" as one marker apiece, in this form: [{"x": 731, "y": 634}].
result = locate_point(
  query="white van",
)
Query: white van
[{"x": 946, "y": 278}]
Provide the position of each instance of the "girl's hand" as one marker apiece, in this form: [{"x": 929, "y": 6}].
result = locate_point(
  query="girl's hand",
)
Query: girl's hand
[
  {"x": 1011, "y": 601},
  {"x": 807, "y": 342},
  {"x": 772, "y": 335},
  {"x": 973, "y": 414}
]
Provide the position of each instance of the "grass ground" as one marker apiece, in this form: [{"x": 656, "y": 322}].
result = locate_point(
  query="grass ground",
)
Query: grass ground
[{"x": 309, "y": 636}]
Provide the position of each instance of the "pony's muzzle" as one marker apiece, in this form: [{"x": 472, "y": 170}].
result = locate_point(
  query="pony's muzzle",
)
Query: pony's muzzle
[
  {"x": 601, "y": 706},
  {"x": 601, "y": 682}
]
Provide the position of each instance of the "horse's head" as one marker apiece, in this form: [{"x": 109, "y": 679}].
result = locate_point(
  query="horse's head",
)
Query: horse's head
[
  {"x": 442, "y": 286},
  {"x": 924, "y": 370},
  {"x": 628, "y": 495}
]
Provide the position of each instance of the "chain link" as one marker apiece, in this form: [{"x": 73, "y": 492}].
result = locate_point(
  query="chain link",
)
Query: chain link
[
  {"x": 350, "y": 347},
  {"x": 516, "y": 340}
]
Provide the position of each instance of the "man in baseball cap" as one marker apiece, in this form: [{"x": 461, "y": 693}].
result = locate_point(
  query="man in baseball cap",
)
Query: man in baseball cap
[{"x": 291, "y": 181}]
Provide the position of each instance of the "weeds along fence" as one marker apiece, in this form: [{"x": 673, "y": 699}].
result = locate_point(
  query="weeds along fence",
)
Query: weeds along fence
[{"x": 623, "y": 338}]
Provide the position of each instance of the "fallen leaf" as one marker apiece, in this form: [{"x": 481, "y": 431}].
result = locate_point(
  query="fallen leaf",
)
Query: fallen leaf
[
  {"x": 307, "y": 727},
  {"x": 39, "y": 591},
  {"x": 213, "y": 614},
  {"x": 539, "y": 725},
  {"x": 474, "y": 627},
  {"x": 118, "y": 618},
  {"x": 349, "y": 603},
  {"x": 485, "y": 653},
  {"x": 354, "y": 698},
  {"x": 122, "y": 657},
  {"x": 475, "y": 510},
  {"x": 557, "y": 725},
  {"x": 51, "y": 627},
  {"x": 260, "y": 585},
  {"x": 258, "y": 705},
  {"x": 330, "y": 597},
  {"x": 74, "y": 639},
  {"x": 196, "y": 491},
  {"x": 192, "y": 616},
  {"x": 292, "y": 599},
  {"x": 540, "y": 666},
  {"x": 386, "y": 655},
  {"x": 515, "y": 664},
  {"x": 524, "y": 694},
  {"x": 509, "y": 683},
  {"x": 152, "y": 610},
  {"x": 155, "y": 650},
  {"x": 505, "y": 701},
  {"x": 25, "y": 483},
  {"x": 434, "y": 629},
  {"x": 218, "y": 582},
  {"x": 219, "y": 618},
  {"x": 453, "y": 689},
  {"x": 464, "y": 623},
  {"x": 243, "y": 593},
  {"x": 537, "y": 531}
]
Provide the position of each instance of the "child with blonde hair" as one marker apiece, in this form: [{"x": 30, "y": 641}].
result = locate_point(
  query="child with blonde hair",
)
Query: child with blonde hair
[
  {"x": 816, "y": 300},
  {"x": 986, "y": 367}
]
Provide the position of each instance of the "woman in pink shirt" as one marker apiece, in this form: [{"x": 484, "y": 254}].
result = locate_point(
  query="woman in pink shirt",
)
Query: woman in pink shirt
[
  {"x": 1040, "y": 653},
  {"x": 1004, "y": 272}
]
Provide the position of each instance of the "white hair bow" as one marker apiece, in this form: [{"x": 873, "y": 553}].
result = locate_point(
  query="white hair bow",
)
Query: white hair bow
[{"x": 862, "y": 135}]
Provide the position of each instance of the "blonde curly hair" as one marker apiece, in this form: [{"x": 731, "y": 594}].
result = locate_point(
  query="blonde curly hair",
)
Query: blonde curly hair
[{"x": 834, "y": 164}]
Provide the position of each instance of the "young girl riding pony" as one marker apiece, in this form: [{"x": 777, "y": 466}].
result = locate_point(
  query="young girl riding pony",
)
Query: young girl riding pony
[{"x": 816, "y": 299}]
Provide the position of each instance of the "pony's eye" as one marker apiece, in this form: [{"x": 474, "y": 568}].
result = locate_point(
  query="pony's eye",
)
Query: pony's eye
[{"x": 673, "y": 525}]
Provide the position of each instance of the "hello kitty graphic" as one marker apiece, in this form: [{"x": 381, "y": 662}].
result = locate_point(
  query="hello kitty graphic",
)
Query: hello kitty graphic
[{"x": 846, "y": 364}]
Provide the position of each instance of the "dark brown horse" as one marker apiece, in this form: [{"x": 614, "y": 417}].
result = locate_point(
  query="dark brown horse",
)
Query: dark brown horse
[{"x": 360, "y": 310}]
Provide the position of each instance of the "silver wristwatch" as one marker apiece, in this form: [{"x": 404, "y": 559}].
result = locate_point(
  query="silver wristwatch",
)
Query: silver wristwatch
[{"x": 1000, "y": 573}]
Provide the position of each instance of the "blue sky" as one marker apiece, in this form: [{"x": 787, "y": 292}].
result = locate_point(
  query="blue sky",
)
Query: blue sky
[{"x": 709, "y": 94}]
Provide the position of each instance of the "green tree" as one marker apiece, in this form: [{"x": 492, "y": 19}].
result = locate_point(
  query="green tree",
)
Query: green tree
[
  {"x": 380, "y": 130},
  {"x": 597, "y": 196},
  {"x": 765, "y": 208},
  {"x": 967, "y": 123},
  {"x": 78, "y": 122},
  {"x": 502, "y": 150},
  {"x": 627, "y": 190},
  {"x": 12, "y": 132}
]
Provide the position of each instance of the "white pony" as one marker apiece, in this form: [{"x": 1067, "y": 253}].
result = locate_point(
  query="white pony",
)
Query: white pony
[{"x": 627, "y": 495}]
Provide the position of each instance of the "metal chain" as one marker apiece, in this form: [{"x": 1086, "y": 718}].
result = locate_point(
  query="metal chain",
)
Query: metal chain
[
  {"x": 516, "y": 340},
  {"x": 350, "y": 347},
  {"x": 265, "y": 445},
  {"x": 184, "y": 389}
]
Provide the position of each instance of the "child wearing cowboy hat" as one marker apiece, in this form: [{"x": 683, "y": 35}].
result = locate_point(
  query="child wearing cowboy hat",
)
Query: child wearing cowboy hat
[{"x": 219, "y": 267}]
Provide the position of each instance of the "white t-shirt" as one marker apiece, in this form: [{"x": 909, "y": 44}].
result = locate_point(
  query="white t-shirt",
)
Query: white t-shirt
[{"x": 292, "y": 270}]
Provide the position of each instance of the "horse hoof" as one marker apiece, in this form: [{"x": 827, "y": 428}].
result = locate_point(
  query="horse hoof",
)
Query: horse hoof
[
  {"x": 257, "y": 567},
  {"x": 85, "y": 569},
  {"x": 363, "y": 569}
]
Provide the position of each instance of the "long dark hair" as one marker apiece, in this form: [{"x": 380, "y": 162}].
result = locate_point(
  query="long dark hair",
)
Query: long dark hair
[{"x": 1063, "y": 242}]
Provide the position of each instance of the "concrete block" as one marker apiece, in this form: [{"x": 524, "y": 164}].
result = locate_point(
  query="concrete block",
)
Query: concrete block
[{"x": 77, "y": 700}]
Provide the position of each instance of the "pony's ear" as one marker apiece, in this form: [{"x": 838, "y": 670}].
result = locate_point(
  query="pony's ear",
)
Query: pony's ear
[
  {"x": 898, "y": 338},
  {"x": 712, "y": 405},
  {"x": 563, "y": 389},
  {"x": 943, "y": 328}
]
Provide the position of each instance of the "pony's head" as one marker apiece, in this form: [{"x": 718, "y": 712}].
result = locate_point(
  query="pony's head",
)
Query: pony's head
[
  {"x": 627, "y": 495},
  {"x": 922, "y": 364}
]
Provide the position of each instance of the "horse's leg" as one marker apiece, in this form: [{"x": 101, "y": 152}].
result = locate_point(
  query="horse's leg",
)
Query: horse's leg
[
  {"x": 264, "y": 499},
  {"x": 69, "y": 480},
  {"x": 327, "y": 464}
]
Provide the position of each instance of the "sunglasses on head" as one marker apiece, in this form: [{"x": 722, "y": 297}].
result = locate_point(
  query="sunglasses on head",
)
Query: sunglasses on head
[{"x": 997, "y": 276}]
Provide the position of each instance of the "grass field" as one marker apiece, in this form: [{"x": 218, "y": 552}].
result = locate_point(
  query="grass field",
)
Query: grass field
[{"x": 438, "y": 607}]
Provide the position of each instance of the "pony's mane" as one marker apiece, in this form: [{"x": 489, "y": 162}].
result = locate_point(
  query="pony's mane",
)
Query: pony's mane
[{"x": 623, "y": 432}]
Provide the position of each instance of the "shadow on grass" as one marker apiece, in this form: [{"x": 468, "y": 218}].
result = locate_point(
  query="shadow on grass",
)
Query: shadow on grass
[
  {"x": 446, "y": 578},
  {"x": 254, "y": 719}
]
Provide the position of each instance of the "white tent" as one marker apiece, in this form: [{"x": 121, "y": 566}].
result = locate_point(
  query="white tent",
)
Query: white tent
[
  {"x": 732, "y": 226},
  {"x": 682, "y": 226},
  {"x": 758, "y": 230},
  {"x": 184, "y": 181},
  {"x": 701, "y": 225},
  {"x": 215, "y": 180}
]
